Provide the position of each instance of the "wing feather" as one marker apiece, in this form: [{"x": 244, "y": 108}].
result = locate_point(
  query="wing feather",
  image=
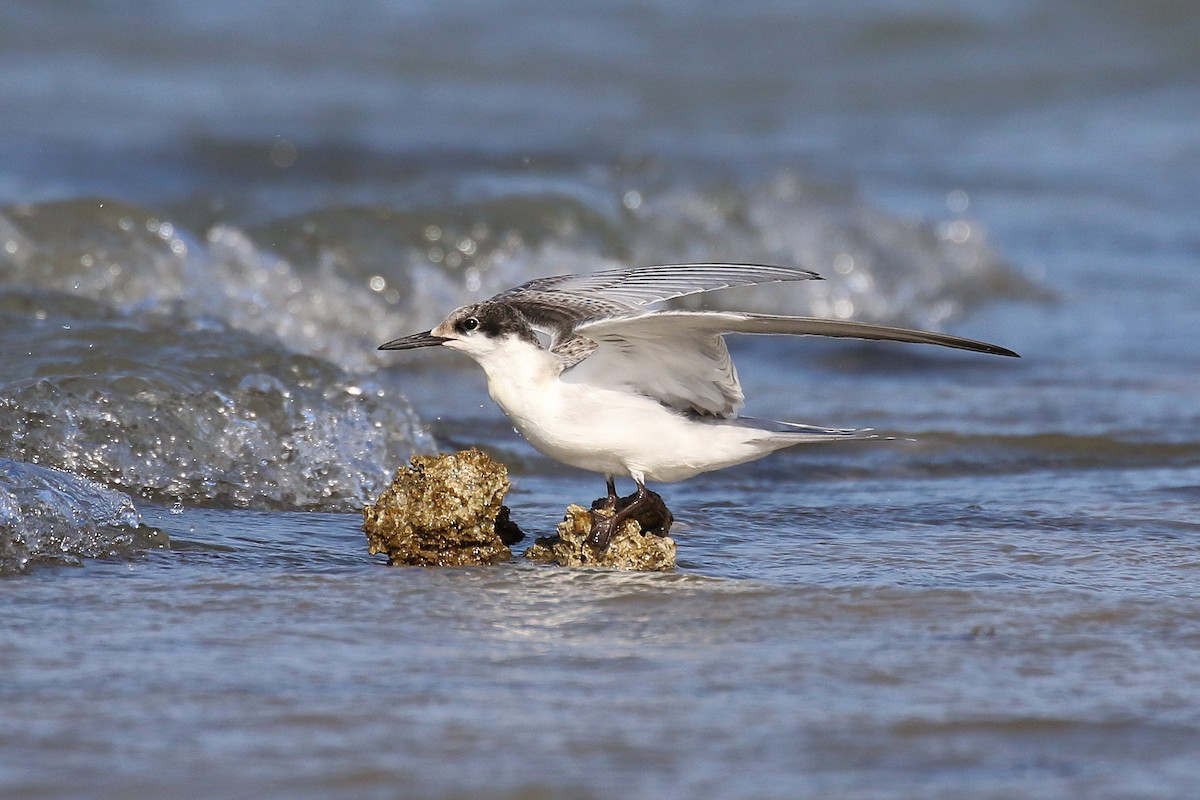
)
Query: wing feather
[
  {"x": 682, "y": 370},
  {"x": 680, "y": 357},
  {"x": 560, "y": 302},
  {"x": 699, "y": 323}
]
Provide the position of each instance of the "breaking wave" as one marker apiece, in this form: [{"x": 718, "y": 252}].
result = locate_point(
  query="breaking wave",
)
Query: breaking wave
[
  {"x": 231, "y": 363},
  {"x": 52, "y": 516}
]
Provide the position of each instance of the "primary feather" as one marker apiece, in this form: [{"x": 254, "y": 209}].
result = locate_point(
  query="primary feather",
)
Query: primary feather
[
  {"x": 680, "y": 357},
  {"x": 557, "y": 304}
]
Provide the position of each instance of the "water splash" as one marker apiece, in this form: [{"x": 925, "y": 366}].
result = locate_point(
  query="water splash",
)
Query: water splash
[
  {"x": 54, "y": 516},
  {"x": 237, "y": 364},
  {"x": 175, "y": 408},
  {"x": 332, "y": 282},
  {"x": 877, "y": 267}
]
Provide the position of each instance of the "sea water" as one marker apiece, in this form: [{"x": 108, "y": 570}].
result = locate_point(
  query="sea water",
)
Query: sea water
[{"x": 212, "y": 214}]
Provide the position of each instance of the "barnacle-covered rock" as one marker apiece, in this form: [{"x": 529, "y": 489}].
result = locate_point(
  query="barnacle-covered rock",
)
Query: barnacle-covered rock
[
  {"x": 631, "y": 547},
  {"x": 443, "y": 511}
]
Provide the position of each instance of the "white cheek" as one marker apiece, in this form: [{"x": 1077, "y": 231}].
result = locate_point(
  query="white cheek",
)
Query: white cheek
[{"x": 472, "y": 345}]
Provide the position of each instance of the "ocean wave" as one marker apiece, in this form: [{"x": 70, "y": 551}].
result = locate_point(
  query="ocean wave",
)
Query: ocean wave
[
  {"x": 236, "y": 363},
  {"x": 878, "y": 267},
  {"x": 331, "y": 282},
  {"x": 52, "y": 516},
  {"x": 193, "y": 411}
]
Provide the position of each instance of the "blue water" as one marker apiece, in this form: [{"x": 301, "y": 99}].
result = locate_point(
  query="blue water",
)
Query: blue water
[{"x": 211, "y": 215}]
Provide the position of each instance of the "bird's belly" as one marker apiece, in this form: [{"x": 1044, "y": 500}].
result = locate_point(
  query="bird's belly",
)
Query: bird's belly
[
  {"x": 619, "y": 434},
  {"x": 578, "y": 437}
]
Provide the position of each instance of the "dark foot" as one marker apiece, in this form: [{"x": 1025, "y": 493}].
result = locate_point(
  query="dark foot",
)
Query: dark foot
[
  {"x": 653, "y": 515},
  {"x": 608, "y": 503},
  {"x": 605, "y": 504},
  {"x": 650, "y": 512},
  {"x": 603, "y": 526}
]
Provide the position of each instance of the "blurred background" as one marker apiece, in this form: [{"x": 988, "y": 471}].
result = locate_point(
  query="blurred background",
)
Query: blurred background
[
  {"x": 211, "y": 213},
  {"x": 278, "y": 180}
]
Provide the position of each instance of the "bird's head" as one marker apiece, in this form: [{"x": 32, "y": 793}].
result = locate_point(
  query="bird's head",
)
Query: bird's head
[{"x": 480, "y": 330}]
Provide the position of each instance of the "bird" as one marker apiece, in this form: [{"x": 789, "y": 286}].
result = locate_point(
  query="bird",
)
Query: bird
[{"x": 652, "y": 394}]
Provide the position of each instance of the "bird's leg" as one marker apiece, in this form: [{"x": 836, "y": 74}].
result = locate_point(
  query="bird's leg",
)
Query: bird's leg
[
  {"x": 601, "y": 523},
  {"x": 610, "y": 502},
  {"x": 603, "y": 526}
]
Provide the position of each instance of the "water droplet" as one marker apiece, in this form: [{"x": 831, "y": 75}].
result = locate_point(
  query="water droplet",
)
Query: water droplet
[{"x": 957, "y": 231}]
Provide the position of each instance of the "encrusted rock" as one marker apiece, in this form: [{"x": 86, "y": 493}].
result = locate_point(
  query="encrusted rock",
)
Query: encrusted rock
[
  {"x": 443, "y": 511},
  {"x": 630, "y": 548}
]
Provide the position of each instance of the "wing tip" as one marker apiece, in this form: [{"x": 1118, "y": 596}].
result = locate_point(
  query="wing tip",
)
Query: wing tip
[{"x": 997, "y": 350}]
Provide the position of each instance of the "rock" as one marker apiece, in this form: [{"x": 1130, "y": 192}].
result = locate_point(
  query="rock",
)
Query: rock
[
  {"x": 506, "y": 529},
  {"x": 443, "y": 511},
  {"x": 630, "y": 548}
]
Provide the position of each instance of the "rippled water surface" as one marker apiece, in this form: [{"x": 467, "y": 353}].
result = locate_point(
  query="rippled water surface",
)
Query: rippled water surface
[{"x": 211, "y": 215}]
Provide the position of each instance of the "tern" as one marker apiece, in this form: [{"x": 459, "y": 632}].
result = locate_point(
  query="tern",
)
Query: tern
[{"x": 648, "y": 394}]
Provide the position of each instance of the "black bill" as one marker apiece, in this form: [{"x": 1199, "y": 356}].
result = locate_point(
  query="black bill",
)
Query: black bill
[{"x": 423, "y": 339}]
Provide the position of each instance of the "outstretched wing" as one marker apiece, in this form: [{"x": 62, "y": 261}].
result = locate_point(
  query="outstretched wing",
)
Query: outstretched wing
[
  {"x": 719, "y": 322},
  {"x": 559, "y": 303},
  {"x": 683, "y": 367},
  {"x": 680, "y": 357}
]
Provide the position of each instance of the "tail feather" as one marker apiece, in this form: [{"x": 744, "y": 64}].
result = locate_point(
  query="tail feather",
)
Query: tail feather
[{"x": 798, "y": 432}]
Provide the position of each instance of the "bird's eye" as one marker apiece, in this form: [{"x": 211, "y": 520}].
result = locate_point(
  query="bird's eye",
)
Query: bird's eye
[{"x": 470, "y": 324}]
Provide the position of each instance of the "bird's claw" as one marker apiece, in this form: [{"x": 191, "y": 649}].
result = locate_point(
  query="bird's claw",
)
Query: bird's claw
[{"x": 602, "y": 530}]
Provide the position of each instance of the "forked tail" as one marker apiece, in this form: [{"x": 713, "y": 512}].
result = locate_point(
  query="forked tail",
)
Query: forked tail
[{"x": 798, "y": 433}]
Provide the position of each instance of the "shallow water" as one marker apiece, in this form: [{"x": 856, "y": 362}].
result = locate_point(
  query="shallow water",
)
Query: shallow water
[{"x": 210, "y": 217}]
